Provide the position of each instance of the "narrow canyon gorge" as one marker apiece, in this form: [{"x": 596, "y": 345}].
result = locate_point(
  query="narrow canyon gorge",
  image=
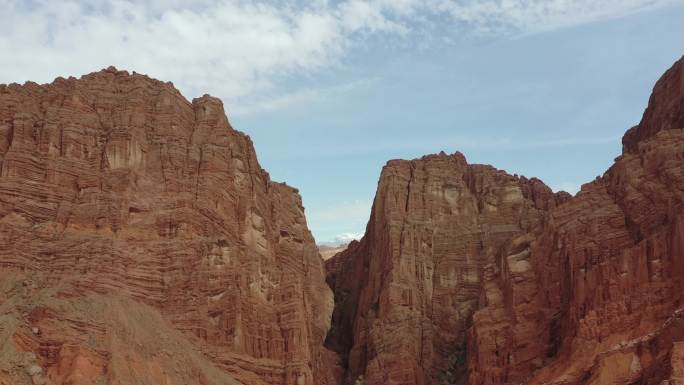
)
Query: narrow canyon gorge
[{"x": 142, "y": 243}]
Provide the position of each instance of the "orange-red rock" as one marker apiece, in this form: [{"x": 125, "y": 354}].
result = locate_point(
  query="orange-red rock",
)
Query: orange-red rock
[
  {"x": 141, "y": 242},
  {"x": 602, "y": 303},
  {"x": 406, "y": 292},
  {"x": 115, "y": 189},
  {"x": 468, "y": 275}
]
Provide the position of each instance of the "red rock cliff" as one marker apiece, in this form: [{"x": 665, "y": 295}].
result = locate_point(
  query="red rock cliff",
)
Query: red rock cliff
[
  {"x": 469, "y": 275},
  {"x": 406, "y": 292},
  {"x": 121, "y": 204},
  {"x": 601, "y": 299}
]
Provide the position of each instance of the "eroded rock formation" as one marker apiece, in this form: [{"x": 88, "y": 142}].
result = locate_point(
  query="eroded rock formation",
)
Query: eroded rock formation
[
  {"x": 328, "y": 252},
  {"x": 114, "y": 188},
  {"x": 141, "y": 242},
  {"x": 468, "y": 275},
  {"x": 406, "y": 292},
  {"x": 602, "y": 300}
]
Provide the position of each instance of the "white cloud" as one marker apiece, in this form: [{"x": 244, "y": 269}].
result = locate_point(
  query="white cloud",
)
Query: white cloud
[
  {"x": 232, "y": 49},
  {"x": 239, "y": 50},
  {"x": 298, "y": 98},
  {"x": 358, "y": 15},
  {"x": 348, "y": 237}
]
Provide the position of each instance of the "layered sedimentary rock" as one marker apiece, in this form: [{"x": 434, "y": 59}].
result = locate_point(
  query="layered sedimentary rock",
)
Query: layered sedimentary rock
[
  {"x": 115, "y": 186},
  {"x": 601, "y": 302},
  {"x": 406, "y": 292},
  {"x": 52, "y": 335},
  {"x": 468, "y": 275},
  {"x": 141, "y": 242}
]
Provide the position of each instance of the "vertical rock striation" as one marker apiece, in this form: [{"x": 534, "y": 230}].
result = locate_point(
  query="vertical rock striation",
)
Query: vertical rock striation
[
  {"x": 141, "y": 242},
  {"x": 114, "y": 185},
  {"x": 469, "y": 275},
  {"x": 602, "y": 303},
  {"x": 405, "y": 293}
]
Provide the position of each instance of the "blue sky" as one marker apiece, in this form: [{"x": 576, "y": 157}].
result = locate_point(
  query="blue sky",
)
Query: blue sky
[{"x": 331, "y": 90}]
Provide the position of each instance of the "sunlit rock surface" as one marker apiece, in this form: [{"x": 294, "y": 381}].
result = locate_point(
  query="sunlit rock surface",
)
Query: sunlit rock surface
[
  {"x": 406, "y": 292},
  {"x": 115, "y": 186},
  {"x": 469, "y": 275}
]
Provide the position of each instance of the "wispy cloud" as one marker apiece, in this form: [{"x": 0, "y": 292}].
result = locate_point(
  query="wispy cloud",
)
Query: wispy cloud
[
  {"x": 297, "y": 98},
  {"x": 348, "y": 237},
  {"x": 238, "y": 49},
  {"x": 531, "y": 16}
]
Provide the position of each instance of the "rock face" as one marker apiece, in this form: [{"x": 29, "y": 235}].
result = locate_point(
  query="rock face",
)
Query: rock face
[
  {"x": 114, "y": 188},
  {"x": 602, "y": 302},
  {"x": 55, "y": 336},
  {"x": 469, "y": 275},
  {"x": 406, "y": 292},
  {"x": 141, "y": 242}
]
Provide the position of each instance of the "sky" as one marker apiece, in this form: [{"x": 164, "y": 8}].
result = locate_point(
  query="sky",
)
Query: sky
[{"x": 330, "y": 91}]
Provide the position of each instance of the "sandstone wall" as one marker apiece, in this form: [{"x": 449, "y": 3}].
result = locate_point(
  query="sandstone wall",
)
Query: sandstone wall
[
  {"x": 602, "y": 302},
  {"x": 115, "y": 184},
  {"x": 469, "y": 275},
  {"x": 406, "y": 292}
]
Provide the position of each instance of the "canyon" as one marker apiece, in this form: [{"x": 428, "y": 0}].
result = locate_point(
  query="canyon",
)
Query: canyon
[{"x": 142, "y": 243}]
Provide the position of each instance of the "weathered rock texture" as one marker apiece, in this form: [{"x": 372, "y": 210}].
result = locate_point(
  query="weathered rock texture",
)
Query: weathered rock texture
[
  {"x": 602, "y": 300},
  {"x": 468, "y": 275},
  {"x": 114, "y": 188},
  {"x": 55, "y": 336},
  {"x": 406, "y": 292}
]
